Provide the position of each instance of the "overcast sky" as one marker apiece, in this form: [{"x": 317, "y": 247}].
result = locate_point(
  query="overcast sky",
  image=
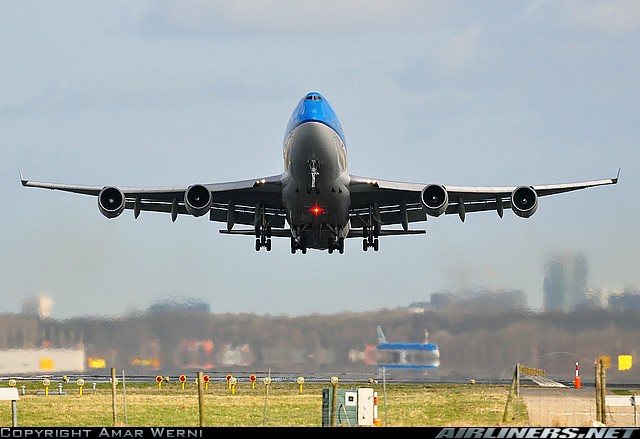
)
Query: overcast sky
[{"x": 182, "y": 92}]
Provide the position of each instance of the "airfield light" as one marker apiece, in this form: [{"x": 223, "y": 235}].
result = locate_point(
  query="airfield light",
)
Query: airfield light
[
  {"x": 12, "y": 382},
  {"x": 228, "y": 377},
  {"x": 80, "y": 383},
  {"x": 183, "y": 379},
  {"x": 232, "y": 382},
  {"x": 300, "y": 381},
  {"x": 159, "y": 381},
  {"x": 205, "y": 378},
  {"x": 266, "y": 381},
  {"x": 253, "y": 381},
  {"x": 46, "y": 383}
]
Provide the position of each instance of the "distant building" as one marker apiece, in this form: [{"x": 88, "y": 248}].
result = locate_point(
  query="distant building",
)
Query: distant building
[
  {"x": 488, "y": 300},
  {"x": 627, "y": 300},
  {"x": 565, "y": 283},
  {"x": 40, "y": 306},
  {"x": 179, "y": 305}
]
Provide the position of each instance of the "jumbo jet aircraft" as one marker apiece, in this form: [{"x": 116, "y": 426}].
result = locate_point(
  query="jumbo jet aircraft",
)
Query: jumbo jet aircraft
[
  {"x": 405, "y": 355},
  {"x": 315, "y": 202}
]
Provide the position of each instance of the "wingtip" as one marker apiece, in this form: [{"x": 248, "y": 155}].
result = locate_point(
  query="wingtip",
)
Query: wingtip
[
  {"x": 615, "y": 180},
  {"x": 22, "y": 179}
]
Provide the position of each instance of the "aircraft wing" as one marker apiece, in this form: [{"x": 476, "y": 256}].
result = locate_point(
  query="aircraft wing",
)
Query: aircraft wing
[
  {"x": 233, "y": 202},
  {"x": 402, "y": 202}
]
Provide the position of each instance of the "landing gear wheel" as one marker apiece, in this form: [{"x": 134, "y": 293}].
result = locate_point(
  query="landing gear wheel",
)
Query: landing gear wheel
[
  {"x": 258, "y": 245},
  {"x": 375, "y": 245},
  {"x": 268, "y": 244}
]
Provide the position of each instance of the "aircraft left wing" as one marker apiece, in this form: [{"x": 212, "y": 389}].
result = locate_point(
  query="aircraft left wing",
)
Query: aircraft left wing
[
  {"x": 394, "y": 202},
  {"x": 231, "y": 202}
]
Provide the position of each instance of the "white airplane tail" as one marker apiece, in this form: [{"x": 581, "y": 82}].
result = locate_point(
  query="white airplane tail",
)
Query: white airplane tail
[{"x": 381, "y": 337}]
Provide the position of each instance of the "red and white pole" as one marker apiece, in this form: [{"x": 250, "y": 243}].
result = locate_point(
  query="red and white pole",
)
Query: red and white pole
[
  {"x": 576, "y": 380},
  {"x": 376, "y": 420}
]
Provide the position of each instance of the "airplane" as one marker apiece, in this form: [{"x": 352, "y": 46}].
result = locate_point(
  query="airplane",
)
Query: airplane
[
  {"x": 406, "y": 355},
  {"x": 315, "y": 202}
]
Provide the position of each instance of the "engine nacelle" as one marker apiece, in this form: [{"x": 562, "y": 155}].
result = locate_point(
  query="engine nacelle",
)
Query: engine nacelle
[
  {"x": 111, "y": 202},
  {"x": 197, "y": 200},
  {"x": 435, "y": 199},
  {"x": 524, "y": 201}
]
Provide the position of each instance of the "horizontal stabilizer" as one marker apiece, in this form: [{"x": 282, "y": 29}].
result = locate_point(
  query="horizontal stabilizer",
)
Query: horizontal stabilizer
[
  {"x": 278, "y": 233},
  {"x": 353, "y": 233}
]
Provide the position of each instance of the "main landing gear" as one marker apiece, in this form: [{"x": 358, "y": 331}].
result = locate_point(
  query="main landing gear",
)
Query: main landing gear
[
  {"x": 298, "y": 244},
  {"x": 371, "y": 230},
  {"x": 370, "y": 240},
  {"x": 263, "y": 238},
  {"x": 298, "y": 241},
  {"x": 263, "y": 231},
  {"x": 336, "y": 244}
]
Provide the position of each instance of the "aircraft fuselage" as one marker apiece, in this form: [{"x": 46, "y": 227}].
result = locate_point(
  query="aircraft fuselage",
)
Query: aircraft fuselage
[{"x": 315, "y": 191}]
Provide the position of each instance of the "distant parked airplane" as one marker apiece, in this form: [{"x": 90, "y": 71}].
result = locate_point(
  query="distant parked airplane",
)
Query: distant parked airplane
[
  {"x": 406, "y": 355},
  {"x": 315, "y": 202}
]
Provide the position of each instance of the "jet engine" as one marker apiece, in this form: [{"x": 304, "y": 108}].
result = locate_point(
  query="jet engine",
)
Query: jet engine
[
  {"x": 111, "y": 202},
  {"x": 435, "y": 199},
  {"x": 197, "y": 200},
  {"x": 524, "y": 201}
]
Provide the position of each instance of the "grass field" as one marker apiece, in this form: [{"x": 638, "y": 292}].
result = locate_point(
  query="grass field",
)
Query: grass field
[{"x": 283, "y": 405}]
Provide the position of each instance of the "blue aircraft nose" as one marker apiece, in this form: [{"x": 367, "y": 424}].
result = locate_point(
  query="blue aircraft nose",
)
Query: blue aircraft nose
[{"x": 314, "y": 108}]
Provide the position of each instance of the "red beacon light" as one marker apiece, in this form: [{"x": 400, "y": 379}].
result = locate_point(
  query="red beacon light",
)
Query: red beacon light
[{"x": 316, "y": 210}]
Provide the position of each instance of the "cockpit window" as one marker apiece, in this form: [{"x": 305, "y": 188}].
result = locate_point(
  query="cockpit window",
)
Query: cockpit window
[{"x": 314, "y": 98}]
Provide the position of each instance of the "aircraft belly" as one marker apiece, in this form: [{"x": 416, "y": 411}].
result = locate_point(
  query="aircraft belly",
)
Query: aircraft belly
[
  {"x": 316, "y": 192},
  {"x": 308, "y": 209},
  {"x": 316, "y": 215}
]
